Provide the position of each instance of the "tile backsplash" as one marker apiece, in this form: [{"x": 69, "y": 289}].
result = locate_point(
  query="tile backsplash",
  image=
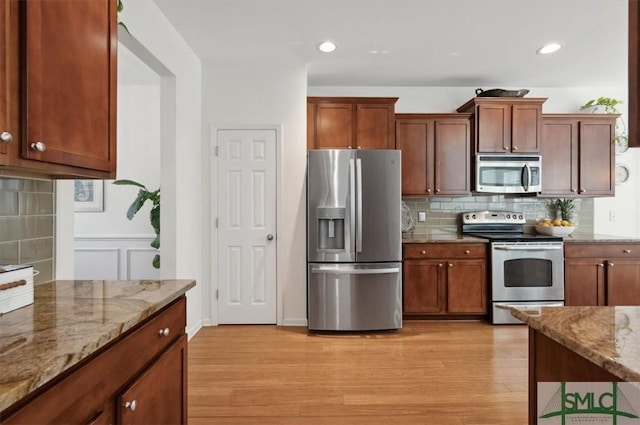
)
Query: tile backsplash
[
  {"x": 27, "y": 224},
  {"x": 442, "y": 213}
]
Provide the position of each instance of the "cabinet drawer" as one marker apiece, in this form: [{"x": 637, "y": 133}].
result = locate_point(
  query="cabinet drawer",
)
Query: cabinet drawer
[
  {"x": 602, "y": 250},
  {"x": 82, "y": 394},
  {"x": 444, "y": 250}
]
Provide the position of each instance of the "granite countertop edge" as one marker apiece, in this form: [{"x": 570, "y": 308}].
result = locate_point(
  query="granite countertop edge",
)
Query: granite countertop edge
[
  {"x": 460, "y": 238},
  {"x": 132, "y": 301},
  {"x": 580, "y": 347}
]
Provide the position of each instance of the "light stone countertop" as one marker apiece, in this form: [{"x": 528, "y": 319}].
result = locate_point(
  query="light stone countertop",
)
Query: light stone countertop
[
  {"x": 68, "y": 321},
  {"x": 607, "y": 336},
  {"x": 440, "y": 236},
  {"x": 577, "y": 237}
]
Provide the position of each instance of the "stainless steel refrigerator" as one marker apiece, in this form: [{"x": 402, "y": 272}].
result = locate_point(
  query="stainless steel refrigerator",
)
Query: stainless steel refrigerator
[{"x": 354, "y": 240}]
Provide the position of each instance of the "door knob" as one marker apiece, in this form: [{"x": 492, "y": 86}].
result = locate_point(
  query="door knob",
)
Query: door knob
[
  {"x": 131, "y": 405},
  {"x": 6, "y": 137},
  {"x": 39, "y": 146},
  {"x": 269, "y": 237}
]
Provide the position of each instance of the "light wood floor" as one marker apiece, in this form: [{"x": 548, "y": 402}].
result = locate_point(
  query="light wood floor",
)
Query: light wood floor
[{"x": 440, "y": 373}]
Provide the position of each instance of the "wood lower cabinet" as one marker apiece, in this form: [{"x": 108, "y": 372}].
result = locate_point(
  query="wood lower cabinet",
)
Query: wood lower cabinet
[
  {"x": 147, "y": 365},
  {"x": 605, "y": 274},
  {"x": 445, "y": 279},
  {"x": 436, "y": 153},
  {"x": 506, "y": 124},
  {"x": 351, "y": 122},
  {"x": 59, "y": 112},
  {"x": 578, "y": 156}
]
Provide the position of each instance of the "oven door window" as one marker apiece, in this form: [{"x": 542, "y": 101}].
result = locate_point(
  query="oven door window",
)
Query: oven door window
[{"x": 528, "y": 273}]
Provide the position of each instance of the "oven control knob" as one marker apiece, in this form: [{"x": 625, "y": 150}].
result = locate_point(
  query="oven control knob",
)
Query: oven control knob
[
  {"x": 508, "y": 216},
  {"x": 473, "y": 216},
  {"x": 520, "y": 216}
]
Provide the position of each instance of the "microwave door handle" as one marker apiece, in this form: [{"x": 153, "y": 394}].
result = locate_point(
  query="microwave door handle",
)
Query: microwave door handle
[{"x": 527, "y": 173}]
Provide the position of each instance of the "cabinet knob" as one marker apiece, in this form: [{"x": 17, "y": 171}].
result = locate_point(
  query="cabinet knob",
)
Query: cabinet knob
[
  {"x": 610, "y": 264},
  {"x": 131, "y": 405},
  {"x": 428, "y": 190},
  {"x": 450, "y": 265},
  {"x": 466, "y": 251},
  {"x": 423, "y": 252},
  {"x": 439, "y": 264},
  {"x": 600, "y": 265},
  {"x": 437, "y": 190},
  {"x": 515, "y": 148},
  {"x": 582, "y": 191},
  {"x": 6, "y": 137},
  {"x": 574, "y": 189},
  {"x": 626, "y": 251},
  {"x": 39, "y": 146},
  {"x": 505, "y": 148},
  {"x": 163, "y": 332}
]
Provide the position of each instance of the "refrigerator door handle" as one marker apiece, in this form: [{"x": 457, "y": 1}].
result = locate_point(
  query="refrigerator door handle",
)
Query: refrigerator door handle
[
  {"x": 352, "y": 197},
  {"x": 359, "y": 206},
  {"x": 333, "y": 270}
]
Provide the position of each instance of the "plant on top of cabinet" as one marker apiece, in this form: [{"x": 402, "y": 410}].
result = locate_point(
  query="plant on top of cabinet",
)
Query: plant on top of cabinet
[
  {"x": 143, "y": 196},
  {"x": 608, "y": 105}
]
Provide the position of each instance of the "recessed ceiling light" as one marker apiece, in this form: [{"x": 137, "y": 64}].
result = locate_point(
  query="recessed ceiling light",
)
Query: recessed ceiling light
[
  {"x": 326, "y": 47},
  {"x": 549, "y": 48}
]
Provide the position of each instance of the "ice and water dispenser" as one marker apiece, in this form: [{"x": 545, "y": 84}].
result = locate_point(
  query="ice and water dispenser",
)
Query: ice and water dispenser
[{"x": 331, "y": 228}]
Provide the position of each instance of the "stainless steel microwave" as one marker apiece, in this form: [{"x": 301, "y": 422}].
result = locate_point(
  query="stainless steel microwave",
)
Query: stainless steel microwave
[{"x": 508, "y": 173}]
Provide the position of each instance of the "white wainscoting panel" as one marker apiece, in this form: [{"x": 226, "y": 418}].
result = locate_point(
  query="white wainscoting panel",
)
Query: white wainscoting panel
[{"x": 114, "y": 257}]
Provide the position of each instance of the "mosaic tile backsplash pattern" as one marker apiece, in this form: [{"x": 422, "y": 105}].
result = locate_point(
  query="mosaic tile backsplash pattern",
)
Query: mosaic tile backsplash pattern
[
  {"x": 442, "y": 214},
  {"x": 27, "y": 224}
]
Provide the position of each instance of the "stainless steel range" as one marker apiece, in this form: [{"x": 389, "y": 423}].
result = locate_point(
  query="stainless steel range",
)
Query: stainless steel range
[{"x": 526, "y": 269}]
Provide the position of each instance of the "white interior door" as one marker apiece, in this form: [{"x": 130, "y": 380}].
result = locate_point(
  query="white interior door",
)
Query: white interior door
[{"x": 246, "y": 226}]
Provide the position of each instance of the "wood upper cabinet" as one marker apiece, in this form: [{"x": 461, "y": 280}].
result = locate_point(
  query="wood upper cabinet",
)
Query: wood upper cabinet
[
  {"x": 578, "y": 157},
  {"x": 505, "y": 124},
  {"x": 61, "y": 95},
  {"x": 444, "y": 278},
  {"x": 602, "y": 274},
  {"x": 350, "y": 122},
  {"x": 435, "y": 153}
]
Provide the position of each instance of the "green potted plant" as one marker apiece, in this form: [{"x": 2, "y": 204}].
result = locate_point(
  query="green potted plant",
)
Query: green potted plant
[
  {"x": 607, "y": 105},
  {"x": 143, "y": 196}
]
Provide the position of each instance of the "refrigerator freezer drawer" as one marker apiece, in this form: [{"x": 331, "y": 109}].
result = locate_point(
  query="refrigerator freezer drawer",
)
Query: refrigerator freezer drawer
[{"x": 355, "y": 297}]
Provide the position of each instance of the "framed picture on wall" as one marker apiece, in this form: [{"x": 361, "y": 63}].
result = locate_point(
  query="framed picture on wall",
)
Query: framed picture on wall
[{"x": 88, "y": 195}]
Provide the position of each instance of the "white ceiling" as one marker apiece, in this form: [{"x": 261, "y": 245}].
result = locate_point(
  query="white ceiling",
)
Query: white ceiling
[{"x": 470, "y": 43}]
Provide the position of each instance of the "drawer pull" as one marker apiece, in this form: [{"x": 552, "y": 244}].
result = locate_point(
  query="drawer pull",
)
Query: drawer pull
[
  {"x": 600, "y": 265},
  {"x": 38, "y": 146},
  {"x": 10, "y": 285},
  {"x": 611, "y": 264},
  {"x": 626, "y": 251},
  {"x": 423, "y": 252},
  {"x": 6, "y": 137},
  {"x": 131, "y": 405},
  {"x": 466, "y": 251},
  {"x": 450, "y": 265},
  {"x": 163, "y": 332}
]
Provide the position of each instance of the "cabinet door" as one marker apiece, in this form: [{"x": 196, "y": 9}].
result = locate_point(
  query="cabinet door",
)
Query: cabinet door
[
  {"x": 375, "y": 126},
  {"x": 415, "y": 140},
  {"x": 559, "y": 150},
  {"x": 158, "y": 396},
  {"x": 467, "y": 286},
  {"x": 494, "y": 128},
  {"x": 69, "y": 82},
  {"x": 5, "y": 59},
  {"x": 526, "y": 128},
  {"x": 334, "y": 126},
  {"x": 596, "y": 158},
  {"x": 452, "y": 158},
  {"x": 423, "y": 287},
  {"x": 584, "y": 282},
  {"x": 623, "y": 282}
]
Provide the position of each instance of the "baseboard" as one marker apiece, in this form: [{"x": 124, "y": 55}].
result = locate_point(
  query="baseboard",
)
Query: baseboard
[
  {"x": 193, "y": 330},
  {"x": 294, "y": 322}
]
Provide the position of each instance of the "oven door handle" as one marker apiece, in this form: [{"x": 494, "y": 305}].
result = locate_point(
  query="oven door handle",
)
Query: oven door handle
[{"x": 527, "y": 248}]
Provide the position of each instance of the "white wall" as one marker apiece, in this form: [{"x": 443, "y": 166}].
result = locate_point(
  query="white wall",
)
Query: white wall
[
  {"x": 273, "y": 94},
  {"x": 625, "y": 205}
]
